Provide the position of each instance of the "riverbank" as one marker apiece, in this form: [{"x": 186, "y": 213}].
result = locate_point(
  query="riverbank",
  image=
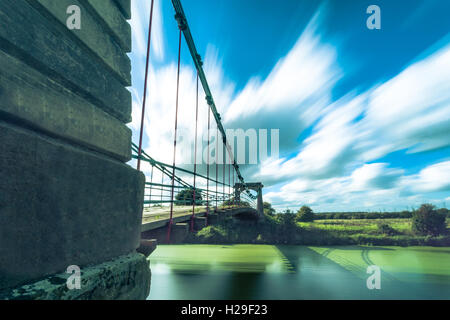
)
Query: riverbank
[{"x": 386, "y": 232}]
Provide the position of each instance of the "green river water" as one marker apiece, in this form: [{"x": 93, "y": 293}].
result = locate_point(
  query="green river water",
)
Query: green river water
[{"x": 297, "y": 272}]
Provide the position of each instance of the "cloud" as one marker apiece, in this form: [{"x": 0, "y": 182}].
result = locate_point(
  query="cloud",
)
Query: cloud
[
  {"x": 370, "y": 186},
  {"x": 295, "y": 92},
  {"x": 412, "y": 110},
  {"x": 327, "y": 151},
  {"x": 331, "y": 165},
  {"x": 159, "y": 120},
  {"x": 279, "y": 96},
  {"x": 374, "y": 176},
  {"x": 140, "y": 11},
  {"x": 433, "y": 178}
]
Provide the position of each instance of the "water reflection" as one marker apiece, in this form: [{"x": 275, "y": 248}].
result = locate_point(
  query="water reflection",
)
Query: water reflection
[{"x": 297, "y": 272}]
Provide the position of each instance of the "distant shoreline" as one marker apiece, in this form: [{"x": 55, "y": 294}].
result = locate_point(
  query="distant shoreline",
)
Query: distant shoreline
[{"x": 326, "y": 232}]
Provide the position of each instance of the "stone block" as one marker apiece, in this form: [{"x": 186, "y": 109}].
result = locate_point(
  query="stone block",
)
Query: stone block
[
  {"x": 125, "y": 8},
  {"x": 31, "y": 97},
  {"x": 92, "y": 34},
  {"x": 119, "y": 27},
  {"x": 61, "y": 206},
  {"x": 147, "y": 246},
  {"x": 123, "y": 278},
  {"x": 36, "y": 40}
]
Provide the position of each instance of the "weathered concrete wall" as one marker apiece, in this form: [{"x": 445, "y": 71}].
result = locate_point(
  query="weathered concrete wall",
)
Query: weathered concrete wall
[
  {"x": 61, "y": 205},
  {"x": 123, "y": 278},
  {"x": 66, "y": 195}
]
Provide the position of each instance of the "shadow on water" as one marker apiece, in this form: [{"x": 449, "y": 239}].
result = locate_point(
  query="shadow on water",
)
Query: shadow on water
[
  {"x": 356, "y": 247},
  {"x": 283, "y": 272},
  {"x": 243, "y": 285},
  {"x": 295, "y": 254},
  {"x": 316, "y": 277}
]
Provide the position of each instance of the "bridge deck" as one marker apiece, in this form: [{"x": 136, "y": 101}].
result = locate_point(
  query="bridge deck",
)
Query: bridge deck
[{"x": 158, "y": 217}]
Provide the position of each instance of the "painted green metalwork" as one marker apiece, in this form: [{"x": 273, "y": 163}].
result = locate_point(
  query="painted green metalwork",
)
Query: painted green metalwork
[
  {"x": 155, "y": 162},
  {"x": 184, "y": 27}
]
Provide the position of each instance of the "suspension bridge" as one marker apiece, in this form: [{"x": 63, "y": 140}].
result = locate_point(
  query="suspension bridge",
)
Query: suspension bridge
[
  {"x": 70, "y": 199},
  {"x": 174, "y": 199}
]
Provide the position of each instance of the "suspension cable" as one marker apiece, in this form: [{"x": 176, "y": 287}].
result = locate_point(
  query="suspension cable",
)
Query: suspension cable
[
  {"x": 234, "y": 197},
  {"x": 207, "y": 168},
  {"x": 151, "y": 181},
  {"x": 162, "y": 183},
  {"x": 223, "y": 175},
  {"x": 163, "y": 166},
  {"x": 217, "y": 164},
  {"x": 181, "y": 18},
  {"x": 175, "y": 140},
  {"x": 145, "y": 85},
  {"x": 195, "y": 158},
  {"x": 229, "y": 178}
]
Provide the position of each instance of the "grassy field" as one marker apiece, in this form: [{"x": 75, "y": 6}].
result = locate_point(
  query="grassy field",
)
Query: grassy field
[
  {"x": 360, "y": 226},
  {"x": 326, "y": 232},
  {"x": 368, "y": 231}
]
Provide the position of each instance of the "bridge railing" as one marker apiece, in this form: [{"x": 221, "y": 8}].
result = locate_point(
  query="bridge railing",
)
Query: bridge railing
[
  {"x": 203, "y": 190},
  {"x": 214, "y": 195}
]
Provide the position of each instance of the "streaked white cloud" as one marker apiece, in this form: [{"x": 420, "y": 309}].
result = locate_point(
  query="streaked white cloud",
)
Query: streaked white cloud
[
  {"x": 412, "y": 110},
  {"x": 327, "y": 151},
  {"x": 369, "y": 187},
  {"x": 409, "y": 112},
  {"x": 433, "y": 178},
  {"x": 332, "y": 167},
  {"x": 374, "y": 176},
  {"x": 295, "y": 92},
  {"x": 159, "y": 120},
  {"x": 140, "y": 12}
]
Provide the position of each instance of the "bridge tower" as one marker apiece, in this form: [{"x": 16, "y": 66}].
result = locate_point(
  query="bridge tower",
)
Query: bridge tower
[{"x": 256, "y": 186}]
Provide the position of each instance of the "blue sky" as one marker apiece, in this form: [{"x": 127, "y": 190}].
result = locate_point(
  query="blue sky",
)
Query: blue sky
[{"x": 364, "y": 115}]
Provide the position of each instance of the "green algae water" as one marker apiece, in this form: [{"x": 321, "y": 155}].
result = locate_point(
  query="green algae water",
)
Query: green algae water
[{"x": 297, "y": 272}]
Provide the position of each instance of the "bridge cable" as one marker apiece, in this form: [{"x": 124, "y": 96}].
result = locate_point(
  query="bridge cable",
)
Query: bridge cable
[
  {"x": 181, "y": 18},
  {"x": 217, "y": 164},
  {"x": 229, "y": 178},
  {"x": 207, "y": 166},
  {"x": 223, "y": 174},
  {"x": 161, "y": 166},
  {"x": 195, "y": 158},
  {"x": 162, "y": 183},
  {"x": 232, "y": 202},
  {"x": 175, "y": 140},
  {"x": 151, "y": 181},
  {"x": 145, "y": 85}
]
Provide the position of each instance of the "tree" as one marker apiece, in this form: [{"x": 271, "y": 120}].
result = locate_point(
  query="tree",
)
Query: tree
[
  {"x": 186, "y": 197},
  {"x": 427, "y": 221},
  {"x": 233, "y": 202},
  {"x": 286, "y": 218},
  {"x": 305, "y": 214},
  {"x": 287, "y": 229},
  {"x": 444, "y": 211},
  {"x": 384, "y": 228},
  {"x": 268, "y": 209}
]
